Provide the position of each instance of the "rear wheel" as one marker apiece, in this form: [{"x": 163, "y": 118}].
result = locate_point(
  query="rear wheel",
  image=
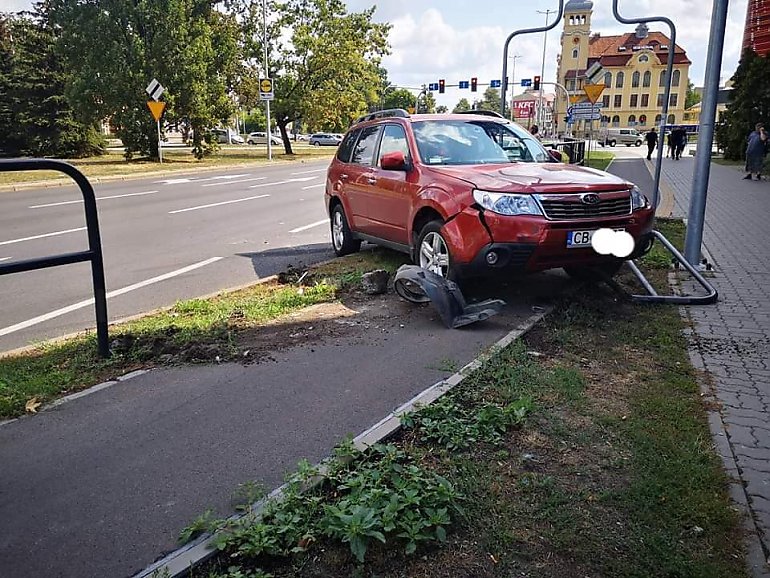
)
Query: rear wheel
[
  {"x": 316, "y": 143},
  {"x": 638, "y": 143},
  {"x": 433, "y": 251},
  {"x": 594, "y": 273},
  {"x": 342, "y": 238},
  {"x": 613, "y": 143}
]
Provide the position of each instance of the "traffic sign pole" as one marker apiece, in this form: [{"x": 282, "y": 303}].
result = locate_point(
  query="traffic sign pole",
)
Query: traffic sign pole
[{"x": 160, "y": 144}]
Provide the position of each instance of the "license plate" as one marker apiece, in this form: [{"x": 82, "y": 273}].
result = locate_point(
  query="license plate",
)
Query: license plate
[{"x": 581, "y": 239}]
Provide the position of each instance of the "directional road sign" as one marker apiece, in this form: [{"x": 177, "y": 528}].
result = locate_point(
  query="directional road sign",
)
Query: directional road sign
[
  {"x": 495, "y": 83},
  {"x": 588, "y": 105},
  {"x": 154, "y": 89},
  {"x": 266, "y": 89},
  {"x": 433, "y": 86},
  {"x": 464, "y": 84},
  {"x": 526, "y": 82}
]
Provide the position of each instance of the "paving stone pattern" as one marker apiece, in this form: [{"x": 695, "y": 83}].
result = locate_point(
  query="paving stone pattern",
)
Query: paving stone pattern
[{"x": 732, "y": 338}]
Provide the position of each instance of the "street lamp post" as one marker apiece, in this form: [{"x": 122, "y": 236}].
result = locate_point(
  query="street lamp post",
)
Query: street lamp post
[
  {"x": 513, "y": 78},
  {"x": 267, "y": 75},
  {"x": 542, "y": 66}
]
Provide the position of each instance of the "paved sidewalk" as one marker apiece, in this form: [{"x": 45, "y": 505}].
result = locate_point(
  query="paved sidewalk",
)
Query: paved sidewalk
[{"x": 732, "y": 338}]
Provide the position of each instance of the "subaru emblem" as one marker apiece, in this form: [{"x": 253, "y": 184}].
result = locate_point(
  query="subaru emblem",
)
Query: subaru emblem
[{"x": 590, "y": 198}]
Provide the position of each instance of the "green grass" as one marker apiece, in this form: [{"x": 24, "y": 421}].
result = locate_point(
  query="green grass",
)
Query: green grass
[
  {"x": 599, "y": 159},
  {"x": 196, "y": 330},
  {"x": 113, "y": 164}
]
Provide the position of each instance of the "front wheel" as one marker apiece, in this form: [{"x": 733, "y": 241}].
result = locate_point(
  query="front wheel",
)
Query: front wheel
[
  {"x": 316, "y": 143},
  {"x": 638, "y": 143},
  {"x": 342, "y": 238},
  {"x": 594, "y": 273},
  {"x": 433, "y": 251},
  {"x": 613, "y": 143}
]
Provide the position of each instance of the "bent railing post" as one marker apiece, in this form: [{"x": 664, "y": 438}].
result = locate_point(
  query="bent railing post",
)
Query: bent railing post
[{"x": 94, "y": 252}]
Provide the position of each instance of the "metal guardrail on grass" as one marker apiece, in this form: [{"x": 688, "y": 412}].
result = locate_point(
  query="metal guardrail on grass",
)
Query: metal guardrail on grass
[{"x": 94, "y": 252}]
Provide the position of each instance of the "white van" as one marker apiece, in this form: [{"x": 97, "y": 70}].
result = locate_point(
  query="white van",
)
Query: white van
[{"x": 613, "y": 136}]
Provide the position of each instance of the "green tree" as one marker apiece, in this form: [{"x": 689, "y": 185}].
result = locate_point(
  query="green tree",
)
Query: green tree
[
  {"x": 34, "y": 113},
  {"x": 692, "y": 97},
  {"x": 325, "y": 62},
  {"x": 398, "y": 98},
  {"x": 749, "y": 104},
  {"x": 490, "y": 100},
  {"x": 462, "y": 105},
  {"x": 442, "y": 109},
  {"x": 114, "y": 48}
]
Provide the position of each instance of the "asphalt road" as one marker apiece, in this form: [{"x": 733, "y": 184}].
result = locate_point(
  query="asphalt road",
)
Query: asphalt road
[{"x": 198, "y": 233}]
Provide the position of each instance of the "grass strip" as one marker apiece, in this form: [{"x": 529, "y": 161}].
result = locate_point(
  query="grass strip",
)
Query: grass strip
[
  {"x": 220, "y": 328},
  {"x": 582, "y": 449},
  {"x": 599, "y": 159}
]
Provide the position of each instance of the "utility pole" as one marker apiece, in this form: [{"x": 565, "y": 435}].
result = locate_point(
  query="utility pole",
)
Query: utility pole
[
  {"x": 267, "y": 75},
  {"x": 513, "y": 78},
  {"x": 542, "y": 67}
]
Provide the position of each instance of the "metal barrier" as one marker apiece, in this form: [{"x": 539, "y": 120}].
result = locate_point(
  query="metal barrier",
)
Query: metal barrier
[
  {"x": 94, "y": 252},
  {"x": 575, "y": 149}
]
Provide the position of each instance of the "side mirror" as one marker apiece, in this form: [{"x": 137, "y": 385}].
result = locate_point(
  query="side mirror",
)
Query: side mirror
[
  {"x": 395, "y": 161},
  {"x": 555, "y": 155}
]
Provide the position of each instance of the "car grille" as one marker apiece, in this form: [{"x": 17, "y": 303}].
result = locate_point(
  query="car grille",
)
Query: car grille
[{"x": 569, "y": 210}]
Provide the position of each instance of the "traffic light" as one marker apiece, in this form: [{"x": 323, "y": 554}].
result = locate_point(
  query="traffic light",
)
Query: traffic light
[
  {"x": 474, "y": 84},
  {"x": 536, "y": 83},
  {"x": 441, "y": 85}
]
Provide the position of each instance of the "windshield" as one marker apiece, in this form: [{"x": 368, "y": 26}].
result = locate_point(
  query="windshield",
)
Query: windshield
[{"x": 475, "y": 142}]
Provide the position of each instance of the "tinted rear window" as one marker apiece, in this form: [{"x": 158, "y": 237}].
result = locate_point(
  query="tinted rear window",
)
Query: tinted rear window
[
  {"x": 363, "y": 154},
  {"x": 346, "y": 148}
]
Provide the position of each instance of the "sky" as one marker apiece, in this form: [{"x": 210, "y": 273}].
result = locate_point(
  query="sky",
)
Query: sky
[{"x": 457, "y": 39}]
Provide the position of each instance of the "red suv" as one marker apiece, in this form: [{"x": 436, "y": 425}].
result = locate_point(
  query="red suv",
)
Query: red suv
[{"x": 465, "y": 194}]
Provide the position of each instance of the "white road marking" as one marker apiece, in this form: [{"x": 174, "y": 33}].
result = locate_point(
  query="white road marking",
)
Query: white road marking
[
  {"x": 98, "y": 199},
  {"x": 4, "y": 258},
  {"x": 298, "y": 180},
  {"x": 233, "y": 182},
  {"x": 55, "y": 233},
  {"x": 313, "y": 186},
  {"x": 192, "y": 180},
  {"x": 175, "y": 181},
  {"x": 231, "y": 176},
  {"x": 310, "y": 226},
  {"x": 87, "y": 302},
  {"x": 308, "y": 172},
  {"x": 217, "y": 204}
]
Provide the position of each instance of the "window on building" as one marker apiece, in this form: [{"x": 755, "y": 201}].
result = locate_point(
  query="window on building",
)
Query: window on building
[
  {"x": 575, "y": 53},
  {"x": 645, "y": 100},
  {"x": 662, "y": 78},
  {"x": 607, "y": 79},
  {"x": 671, "y": 119},
  {"x": 606, "y": 100},
  {"x": 635, "y": 80},
  {"x": 675, "y": 78},
  {"x": 571, "y": 84},
  {"x": 643, "y": 119},
  {"x": 619, "y": 78},
  {"x": 657, "y": 118},
  {"x": 634, "y": 100},
  {"x": 644, "y": 58},
  {"x": 647, "y": 79},
  {"x": 616, "y": 120},
  {"x": 618, "y": 101},
  {"x": 605, "y": 119},
  {"x": 673, "y": 99},
  {"x": 661, "y": 100},
  {"x": 632, "y": 120}
]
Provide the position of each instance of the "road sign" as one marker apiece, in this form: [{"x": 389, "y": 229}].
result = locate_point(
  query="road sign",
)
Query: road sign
[
  {"x": 526, "y": 82},
  {"x": 589, "y": 105},
  {"x": 586, "y": 115},
  {"x": 593, "y": 91},
  {"x": 433, "y": 86},
  {"x": 495, "y": 84},
  {"x": 594, "y": 72},
  {"x": 154, "y": 89},
  {"x": 575, "y": 98},
  {"x": 464, "y": 84},
  {"x": 266, "y": 89},
  {"x": 156, "y": 108}
]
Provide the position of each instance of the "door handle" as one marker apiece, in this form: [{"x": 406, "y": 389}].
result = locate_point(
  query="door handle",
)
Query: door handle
[
  {"x": 344, "y": 176},
  {"x": 371, "y": 180}
]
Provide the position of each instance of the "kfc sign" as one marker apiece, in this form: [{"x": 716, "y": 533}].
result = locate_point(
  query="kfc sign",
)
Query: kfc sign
[{"x": 523, "y": 108}]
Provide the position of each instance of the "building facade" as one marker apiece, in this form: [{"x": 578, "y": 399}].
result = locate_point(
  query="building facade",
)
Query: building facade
[
  {"x": 634, "y": 71},
  {"x": 527, "y": 107},
  {"x": 756, "y": 34}
]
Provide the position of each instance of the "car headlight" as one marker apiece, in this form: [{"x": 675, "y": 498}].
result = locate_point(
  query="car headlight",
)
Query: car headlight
[
  {"x": 507, "y": 203},
  {"x": 638, "y": 200}
]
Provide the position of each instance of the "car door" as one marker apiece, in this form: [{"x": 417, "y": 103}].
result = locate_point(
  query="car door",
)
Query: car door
[
  {"x": 392, "y": 194},
  {"x": 361, "y": 178}
]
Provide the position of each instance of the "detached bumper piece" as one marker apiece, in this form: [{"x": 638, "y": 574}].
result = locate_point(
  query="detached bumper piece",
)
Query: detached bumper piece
[{"x": 419, "y": 285}]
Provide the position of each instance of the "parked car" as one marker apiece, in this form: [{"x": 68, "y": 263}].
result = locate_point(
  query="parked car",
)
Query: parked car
[
  {"x": 325, "y": 138},
  {"x": 627, "y": 136},
  {"x": 222, "y": 136},
  {"x": 468, "y": 195},
  {"x": 261, "y": 138}
]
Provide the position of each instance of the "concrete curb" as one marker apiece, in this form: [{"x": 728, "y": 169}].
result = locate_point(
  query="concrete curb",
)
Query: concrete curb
[{"x": 180, "y": 562}]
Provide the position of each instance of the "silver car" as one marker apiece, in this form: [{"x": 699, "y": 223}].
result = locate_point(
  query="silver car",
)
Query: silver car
[
  {"x": 325, "y": 138},
  {"x": 261, "y": 138}
]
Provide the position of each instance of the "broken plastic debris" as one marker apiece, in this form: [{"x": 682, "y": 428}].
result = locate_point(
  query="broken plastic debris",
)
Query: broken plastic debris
[{"x": 419, "y": 285}]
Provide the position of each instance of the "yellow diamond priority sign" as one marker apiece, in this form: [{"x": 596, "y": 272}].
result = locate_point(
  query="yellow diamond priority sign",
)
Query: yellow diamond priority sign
[
  {"x": 593, "y": 91},
  {"x": 156, "y": 108},
  {"x": 265, "y": 89}
]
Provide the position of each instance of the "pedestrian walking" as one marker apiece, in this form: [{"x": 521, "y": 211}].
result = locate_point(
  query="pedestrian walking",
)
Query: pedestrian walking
[
  {"x": 652, "y": 140},
  {"x": 755, "y": 151},
  {"x": 680, "y": 141},
  {"x": 670, "y": 145}
]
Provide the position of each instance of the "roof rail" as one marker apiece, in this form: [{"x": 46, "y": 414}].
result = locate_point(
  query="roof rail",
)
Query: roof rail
[
  {"x": 481, "y": 112},
  {"x": 399, "y": 112}
]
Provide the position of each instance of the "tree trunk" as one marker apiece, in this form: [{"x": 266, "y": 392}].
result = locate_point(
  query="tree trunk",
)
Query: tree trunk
[{"x": 285, "y": 136}]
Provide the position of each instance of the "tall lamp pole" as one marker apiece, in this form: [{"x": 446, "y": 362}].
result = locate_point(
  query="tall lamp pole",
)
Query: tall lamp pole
[
  {"x": 267, "y": 75},
  {"x": 542, "y": 67},
  {"x": 513, "y": 78}
]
